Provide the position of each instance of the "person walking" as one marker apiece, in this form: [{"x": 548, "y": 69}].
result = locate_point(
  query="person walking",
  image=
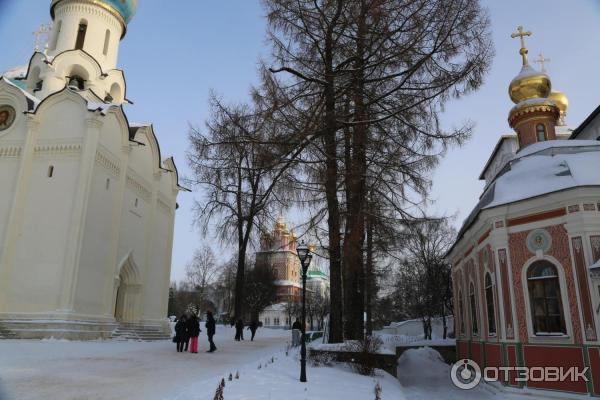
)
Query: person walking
[
  {"x": 252, "y": 328},
  {"x": 180, "y": 332},
  {"x": 210, "y": 330},
  {"x": 194, "y": 332},
  {"x": 296, "y": 330},
  {"x": 239, "y": 330}
]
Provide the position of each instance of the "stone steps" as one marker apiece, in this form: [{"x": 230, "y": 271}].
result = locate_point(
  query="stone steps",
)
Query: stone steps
[{"x": 140, "y": 333}]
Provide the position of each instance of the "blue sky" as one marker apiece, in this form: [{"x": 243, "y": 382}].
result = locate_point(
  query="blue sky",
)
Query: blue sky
[{"x": 175, "y": 52}]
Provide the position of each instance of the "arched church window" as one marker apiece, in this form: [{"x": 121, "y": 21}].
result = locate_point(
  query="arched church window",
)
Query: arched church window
[
  {"x": 545, "y": 299},
  {"x": 106, "y": 42},
  {"x": 81, "y": 31},
  {"x": 461, "y": 312},
  {"x": 55, "y": 34},
  {"x": 540, "y": 131},
  {"x": 489, "y": 300},
  {"x": 474, "y": 327}
]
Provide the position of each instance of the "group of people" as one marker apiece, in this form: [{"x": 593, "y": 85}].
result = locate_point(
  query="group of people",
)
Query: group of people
[
  {"x": 239, "y": 329},
  {"x": 187, "y": 329}
]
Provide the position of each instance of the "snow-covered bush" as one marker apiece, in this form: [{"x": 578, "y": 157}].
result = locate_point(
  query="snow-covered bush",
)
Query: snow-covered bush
[{"x": 366, "y": 357}]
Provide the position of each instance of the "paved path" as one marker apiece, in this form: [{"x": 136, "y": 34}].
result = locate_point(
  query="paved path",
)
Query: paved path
[{"x": 105, "y": 370}]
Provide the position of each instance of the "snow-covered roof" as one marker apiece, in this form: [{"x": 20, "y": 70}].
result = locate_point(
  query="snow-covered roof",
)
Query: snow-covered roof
[
  {"x": 276, "y": 307},
  {"x": 540, "y": 169},
  {"x": 284, "y": 282},
  {"x": 18, "y": 72}
]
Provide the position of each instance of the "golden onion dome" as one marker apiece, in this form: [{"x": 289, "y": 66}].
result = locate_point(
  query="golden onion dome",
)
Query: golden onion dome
[
  {"x": 561, "y": 101},
  {"x": 529, "y": 84},
  {"x": 280, "y": 225}
]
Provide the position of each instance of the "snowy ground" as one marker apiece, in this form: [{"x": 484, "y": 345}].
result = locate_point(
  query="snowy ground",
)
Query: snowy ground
[
  {"x": 123, "y": 370},
  {"x": 132, "y": 370}
]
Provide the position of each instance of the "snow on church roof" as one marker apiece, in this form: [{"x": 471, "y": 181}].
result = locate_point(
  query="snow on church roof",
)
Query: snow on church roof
[{"x": 540, "y": 169}]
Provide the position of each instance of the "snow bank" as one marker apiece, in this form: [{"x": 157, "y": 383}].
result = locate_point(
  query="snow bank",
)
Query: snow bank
[{"x": 415, "y": 365}]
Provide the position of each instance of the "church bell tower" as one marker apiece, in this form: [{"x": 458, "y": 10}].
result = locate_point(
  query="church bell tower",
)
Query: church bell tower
[
  {"x": 536, "y": 113},
  {"x": 94, "y": 26},
  {"x": 82, "y": 50}
]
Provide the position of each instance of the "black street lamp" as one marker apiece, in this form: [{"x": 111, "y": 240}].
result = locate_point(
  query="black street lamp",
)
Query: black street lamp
[{"x": 305, "y": 258}]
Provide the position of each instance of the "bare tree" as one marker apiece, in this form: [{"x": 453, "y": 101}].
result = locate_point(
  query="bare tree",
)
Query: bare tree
[
  {"x": 261, "y": 290},
  {"x": 238, "y": 168},
  {"x": 423, "y": 280},
  {"x": 201, "y": 271},
  {"x": 377, "y": 73}
]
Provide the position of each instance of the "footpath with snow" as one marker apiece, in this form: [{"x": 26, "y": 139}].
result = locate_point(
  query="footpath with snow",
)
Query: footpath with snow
[{"x": 102, "y": 370}]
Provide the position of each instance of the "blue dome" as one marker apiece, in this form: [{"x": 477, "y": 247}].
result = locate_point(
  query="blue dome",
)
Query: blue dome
[{"x": 125, "y": 8}]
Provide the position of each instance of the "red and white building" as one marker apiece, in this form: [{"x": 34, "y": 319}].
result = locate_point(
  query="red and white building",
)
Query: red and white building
[{"x": 526, "y": 269}]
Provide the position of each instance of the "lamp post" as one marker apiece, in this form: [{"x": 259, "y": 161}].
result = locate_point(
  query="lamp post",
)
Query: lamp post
[{"x": 305, "y": 258}]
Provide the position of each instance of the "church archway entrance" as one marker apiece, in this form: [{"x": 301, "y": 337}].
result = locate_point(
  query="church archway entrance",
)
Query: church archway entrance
[{"x": 128, "y": 289}]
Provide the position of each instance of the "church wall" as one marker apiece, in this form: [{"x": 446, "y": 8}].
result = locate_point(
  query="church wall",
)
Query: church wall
[
  {"x": 572, "y": 220},
  {"x": 133, "y": 222},
  {"x": 157, "y": 274},
  {"x": 41, "y": 248},
  {"x": 96, "y": 262},
  {"x": 9, "y": 168}
]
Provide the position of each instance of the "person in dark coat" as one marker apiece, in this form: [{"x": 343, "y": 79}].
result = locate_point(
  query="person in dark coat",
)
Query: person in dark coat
[
  {"x": 180, "y": 333},
  {"x": 296, "y": 332},
  {"x": 210, "y": 330},
  {"x": 239, "y": 330},
  {"x": 186, "y": 333},
  {"x": 193, "y": 326},
  {"x": 252, "y": 328}
]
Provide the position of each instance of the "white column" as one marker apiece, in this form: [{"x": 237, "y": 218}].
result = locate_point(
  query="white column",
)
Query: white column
[
  {"x": 15, "y": 219},
  {"x": 78, "y": 217}
]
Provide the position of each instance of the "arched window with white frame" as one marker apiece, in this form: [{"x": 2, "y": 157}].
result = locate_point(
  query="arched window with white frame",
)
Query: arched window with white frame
[
  {"x": 461, "y": 312},
  {"x": 489, "y": 302},
  {"x": 545, "y": 299},
  {"x": 473, "y": 307}
]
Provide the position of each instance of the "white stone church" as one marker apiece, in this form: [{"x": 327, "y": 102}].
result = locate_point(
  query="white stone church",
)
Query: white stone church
[{"x": 87, "y": 204}]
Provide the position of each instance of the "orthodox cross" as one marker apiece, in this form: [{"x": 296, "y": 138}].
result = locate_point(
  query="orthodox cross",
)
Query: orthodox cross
[
  {"x": 42, "y": 30},
  {"x": 542, "y": 61},
  {"x": 521, "y": 34}
]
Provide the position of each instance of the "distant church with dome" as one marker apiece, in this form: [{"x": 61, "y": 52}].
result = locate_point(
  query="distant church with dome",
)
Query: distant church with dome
[
  {"x": 526, "y": 263},
  {"x": 88, "y": 202}
]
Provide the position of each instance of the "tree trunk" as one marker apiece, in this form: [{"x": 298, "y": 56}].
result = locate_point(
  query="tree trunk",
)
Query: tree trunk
[
  {"x": 333, "y": 207},
  {"x": 370, "y": 277},
  {"x": 355, "y": 229}
]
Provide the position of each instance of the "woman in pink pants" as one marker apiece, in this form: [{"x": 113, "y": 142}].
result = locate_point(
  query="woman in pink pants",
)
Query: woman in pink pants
[{"x": 194, "y": 332}]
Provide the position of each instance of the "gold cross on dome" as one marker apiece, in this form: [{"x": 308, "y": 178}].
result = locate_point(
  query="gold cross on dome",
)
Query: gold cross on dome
[
  {"x": 521, "y": 34},
  {"x": 542, "y": 61},
  {"x": 42, "y": 30}
]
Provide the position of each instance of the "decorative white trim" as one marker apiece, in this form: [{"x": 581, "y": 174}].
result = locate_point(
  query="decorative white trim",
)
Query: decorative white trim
[
  {"x": 53, "y": 149},
  {"x": 11, "y": 151},
  {"x": 108, "y": 162},
  {"x": 138, "y": 187}
]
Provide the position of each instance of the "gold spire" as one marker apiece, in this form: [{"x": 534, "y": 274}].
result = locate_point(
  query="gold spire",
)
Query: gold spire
[
  {"x": 521, "y": 34},
  {"x": 542, "y": 61}
]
